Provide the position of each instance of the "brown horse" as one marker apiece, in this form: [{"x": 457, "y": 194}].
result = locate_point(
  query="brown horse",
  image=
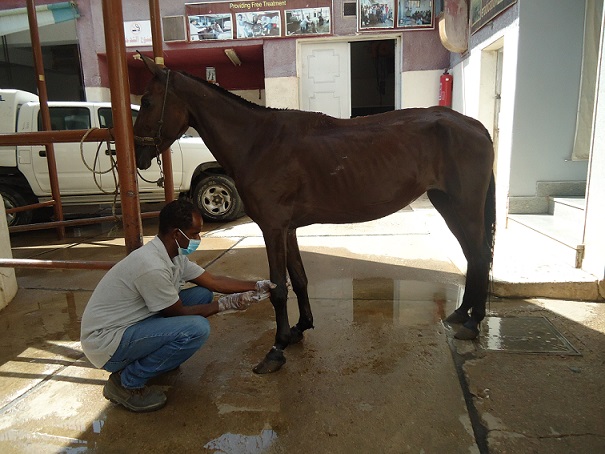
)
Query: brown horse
[{"x": 295, "y": 168}]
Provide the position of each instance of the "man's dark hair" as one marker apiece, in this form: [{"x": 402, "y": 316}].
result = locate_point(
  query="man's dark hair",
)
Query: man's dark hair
[{"x": 177, "y": 214}]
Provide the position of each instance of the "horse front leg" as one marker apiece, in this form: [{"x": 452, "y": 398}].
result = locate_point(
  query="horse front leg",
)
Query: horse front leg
[
  {"x": 275, "y": 241},
  {"x": 299, "y": 280}
]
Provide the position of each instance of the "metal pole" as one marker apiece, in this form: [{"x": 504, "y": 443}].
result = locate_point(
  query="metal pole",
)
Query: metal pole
[
  {"x": 75, "y": 222},
  {"x": 158, "y": 52},
  {"x": 43, "y": 95},
  {"x": 42, "y": 137},
  {"x": 113, "y": 20},
  {"x": 61, "y": 264}
]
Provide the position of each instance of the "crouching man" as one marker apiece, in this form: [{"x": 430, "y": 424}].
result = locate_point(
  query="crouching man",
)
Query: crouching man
[{"x": 138, "y": 322}]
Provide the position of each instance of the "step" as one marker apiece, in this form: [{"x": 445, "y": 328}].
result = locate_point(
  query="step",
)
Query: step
[
  {"x": 568, "y": 207},
  {"x": 565, "y": 231}
]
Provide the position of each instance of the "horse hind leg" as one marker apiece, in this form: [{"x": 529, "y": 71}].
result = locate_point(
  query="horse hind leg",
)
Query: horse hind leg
[
  {"x": 467, "y": 225},
  {"x": 299, "y": 280}
]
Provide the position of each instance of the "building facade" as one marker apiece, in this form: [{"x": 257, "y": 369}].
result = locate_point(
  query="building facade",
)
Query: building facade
[
  {"x": 341, "y": 57},
  {"x": 533, "y": 74},
  {"x": 528, "y": 69}
]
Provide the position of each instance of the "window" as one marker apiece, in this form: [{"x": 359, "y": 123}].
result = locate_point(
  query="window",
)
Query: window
[
  {"x": 106, "y": 117},
  {"x": 67, "y": 118}
]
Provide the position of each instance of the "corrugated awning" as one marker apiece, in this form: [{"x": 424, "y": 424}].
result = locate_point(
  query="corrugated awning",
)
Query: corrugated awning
[{"x": 15, "y": 20}]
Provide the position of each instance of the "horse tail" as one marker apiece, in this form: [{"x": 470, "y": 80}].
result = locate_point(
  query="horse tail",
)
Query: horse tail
[{"x": 490, "y": 217}]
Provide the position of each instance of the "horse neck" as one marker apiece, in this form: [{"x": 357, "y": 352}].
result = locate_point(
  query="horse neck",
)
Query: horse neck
[{"x": 225, "y": 124}]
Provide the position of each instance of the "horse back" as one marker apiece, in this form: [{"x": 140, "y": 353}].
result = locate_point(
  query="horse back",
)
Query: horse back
[{"x": 350, "y": 170}]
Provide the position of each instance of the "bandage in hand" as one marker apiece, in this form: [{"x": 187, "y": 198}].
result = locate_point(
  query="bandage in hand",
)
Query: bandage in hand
[
  {"x": 263, "y": 289},
  {"x": 236, "y": 301}
]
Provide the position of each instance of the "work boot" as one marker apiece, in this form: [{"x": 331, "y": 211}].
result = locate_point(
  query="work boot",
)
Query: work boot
[{"x": 138, "y": 400}]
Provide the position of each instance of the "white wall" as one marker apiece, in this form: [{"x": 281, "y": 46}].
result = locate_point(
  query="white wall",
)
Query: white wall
[
  {"x": 474, "y": 88},
  {"x": 546, "y": 95},
  {"x": 420, "y": 88},
  {"x": 8, "y": 281},
  {"x": 282, "y": 92},
  {"x": 542, "y": 53},
  {"x": 594, "y": 240}
]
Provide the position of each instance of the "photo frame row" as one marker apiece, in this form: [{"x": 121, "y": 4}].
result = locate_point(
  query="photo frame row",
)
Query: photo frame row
[
  {"x": 395, "y": 14},
  {"x": 224, "y": 20},
  {"x": 260, "y": 24}
]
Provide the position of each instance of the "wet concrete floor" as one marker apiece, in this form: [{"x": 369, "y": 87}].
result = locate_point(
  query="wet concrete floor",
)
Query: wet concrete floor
[{"x": 379, "y": 373}]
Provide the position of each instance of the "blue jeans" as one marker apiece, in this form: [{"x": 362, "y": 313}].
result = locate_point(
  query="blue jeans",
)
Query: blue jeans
[{"x": 159, "y": 344}]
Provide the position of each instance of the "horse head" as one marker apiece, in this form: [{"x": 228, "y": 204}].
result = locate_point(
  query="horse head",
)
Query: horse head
[{"x": 162, "y": 118}]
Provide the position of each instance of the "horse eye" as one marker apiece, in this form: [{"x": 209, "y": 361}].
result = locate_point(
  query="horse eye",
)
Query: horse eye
[{"x": 145, "y": 103}]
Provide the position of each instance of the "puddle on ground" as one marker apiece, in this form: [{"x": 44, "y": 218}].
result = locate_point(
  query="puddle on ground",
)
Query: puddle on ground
[
  {"x": 40, "y": 319},
  {"x": 524, "y": 335},
  {"x": 404, "y": 302},
  {"x": 55, "y": 315}
]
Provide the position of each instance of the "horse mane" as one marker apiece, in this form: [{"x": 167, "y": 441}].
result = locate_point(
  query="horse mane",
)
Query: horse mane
[
  {"x": 242, "y": 101},
  {"x": 239, "y": 99}
]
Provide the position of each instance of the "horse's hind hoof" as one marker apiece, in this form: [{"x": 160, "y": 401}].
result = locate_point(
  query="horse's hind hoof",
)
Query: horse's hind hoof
[
  {"x": 273, "y": 362},
  {"x": 466, "y": 333},
  {"x": 456, "y": 318},
  {"x": 296, "y": 335}
]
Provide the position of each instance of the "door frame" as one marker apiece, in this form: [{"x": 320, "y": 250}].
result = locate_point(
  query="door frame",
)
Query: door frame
[{"x": 349, "y": 39}]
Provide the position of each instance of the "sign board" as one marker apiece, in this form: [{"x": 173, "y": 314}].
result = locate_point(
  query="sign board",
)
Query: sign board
[{"x": 138, "y": 33}]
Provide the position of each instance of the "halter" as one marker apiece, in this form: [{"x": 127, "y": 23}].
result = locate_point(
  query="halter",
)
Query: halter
[{"x": 158, "y": 138}]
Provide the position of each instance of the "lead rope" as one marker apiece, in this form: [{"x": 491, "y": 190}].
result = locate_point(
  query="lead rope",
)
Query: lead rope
[{"x": 112, "y": 169}]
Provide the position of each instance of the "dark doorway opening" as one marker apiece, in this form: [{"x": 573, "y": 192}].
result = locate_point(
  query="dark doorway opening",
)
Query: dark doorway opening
[{"x": 372, "y": 77}]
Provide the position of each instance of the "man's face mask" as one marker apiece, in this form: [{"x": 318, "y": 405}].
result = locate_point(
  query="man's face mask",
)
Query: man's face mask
[{"x": 191, "y": 247}]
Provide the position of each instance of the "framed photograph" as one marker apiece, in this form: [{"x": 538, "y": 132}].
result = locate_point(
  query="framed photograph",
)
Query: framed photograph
[
  {"x": 415, "y": 14},
  {"x": 380, "y": 14},
  {"x": 483, "y": 11},
  {"x": 240, "y": 19},
  {"x": 210, "y": 26},
  {"x": 258, "y": 24},
  {"x": 308, "y": 21}
]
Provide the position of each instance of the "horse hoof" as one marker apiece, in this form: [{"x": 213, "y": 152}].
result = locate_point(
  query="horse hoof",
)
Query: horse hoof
[
  {"x": 296, "y": 335},
  {"x": 466, "y": 333},
  {"x": 457, "y": 319},
  {"x": 273, "y": 362}
]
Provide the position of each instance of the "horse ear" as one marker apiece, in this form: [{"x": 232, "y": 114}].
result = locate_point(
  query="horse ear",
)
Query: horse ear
[{"x": 151, "y": 65}]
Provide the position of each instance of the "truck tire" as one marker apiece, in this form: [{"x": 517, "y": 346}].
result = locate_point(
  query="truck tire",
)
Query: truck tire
[
  {"x": 217, "y": 199},
  {"x": 12, "y": 199}
]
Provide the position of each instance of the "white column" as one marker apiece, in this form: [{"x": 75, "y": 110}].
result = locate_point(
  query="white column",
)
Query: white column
[{"x": 8, "y": 281}]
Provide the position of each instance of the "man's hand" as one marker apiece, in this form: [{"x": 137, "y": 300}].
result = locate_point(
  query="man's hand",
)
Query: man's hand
[
  {"x": 263, "y": 289},
  {"x": 236, "y": 301}
]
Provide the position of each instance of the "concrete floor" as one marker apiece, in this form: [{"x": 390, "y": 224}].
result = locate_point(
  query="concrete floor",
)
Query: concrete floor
[{"x": 379, "y": 373}]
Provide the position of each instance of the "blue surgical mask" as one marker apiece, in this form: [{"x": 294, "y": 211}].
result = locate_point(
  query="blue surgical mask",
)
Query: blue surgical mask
[{"x": 191, "y": 247}]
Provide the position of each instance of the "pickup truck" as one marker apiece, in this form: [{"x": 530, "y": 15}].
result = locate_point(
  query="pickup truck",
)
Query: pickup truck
[{"x": 24, "y": 177}]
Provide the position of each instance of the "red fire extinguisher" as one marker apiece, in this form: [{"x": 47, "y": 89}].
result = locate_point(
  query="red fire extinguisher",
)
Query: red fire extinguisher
[{"x": 446, "y": 82}]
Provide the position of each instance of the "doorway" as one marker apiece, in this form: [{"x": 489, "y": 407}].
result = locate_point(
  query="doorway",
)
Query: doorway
[
  {"x": 372, "y": 77},
  {"x": 348, "y": 79}
]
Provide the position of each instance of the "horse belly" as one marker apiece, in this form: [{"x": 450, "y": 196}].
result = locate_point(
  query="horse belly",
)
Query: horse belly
[{"x": 357, "y": 194}]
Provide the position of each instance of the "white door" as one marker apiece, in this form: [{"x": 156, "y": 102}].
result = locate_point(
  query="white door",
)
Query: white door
[{"x": 325, "y": 80}]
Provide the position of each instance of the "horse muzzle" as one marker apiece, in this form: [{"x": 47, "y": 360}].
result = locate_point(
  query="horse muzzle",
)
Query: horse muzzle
[{"x": 144, "y": 154}]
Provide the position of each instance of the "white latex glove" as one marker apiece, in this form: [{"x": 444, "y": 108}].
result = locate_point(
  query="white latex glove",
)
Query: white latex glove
[
  {"x": 263, "y": 289},
  {"x": 236, "y": 301}
]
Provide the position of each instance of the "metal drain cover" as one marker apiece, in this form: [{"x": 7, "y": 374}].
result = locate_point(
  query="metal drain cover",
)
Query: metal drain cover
[{"x": 523, "y": 335}]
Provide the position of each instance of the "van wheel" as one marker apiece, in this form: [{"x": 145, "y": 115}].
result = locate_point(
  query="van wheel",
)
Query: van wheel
[
  {"x": 13, "y": 199},
  {"x": 217, "y": 199}
]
